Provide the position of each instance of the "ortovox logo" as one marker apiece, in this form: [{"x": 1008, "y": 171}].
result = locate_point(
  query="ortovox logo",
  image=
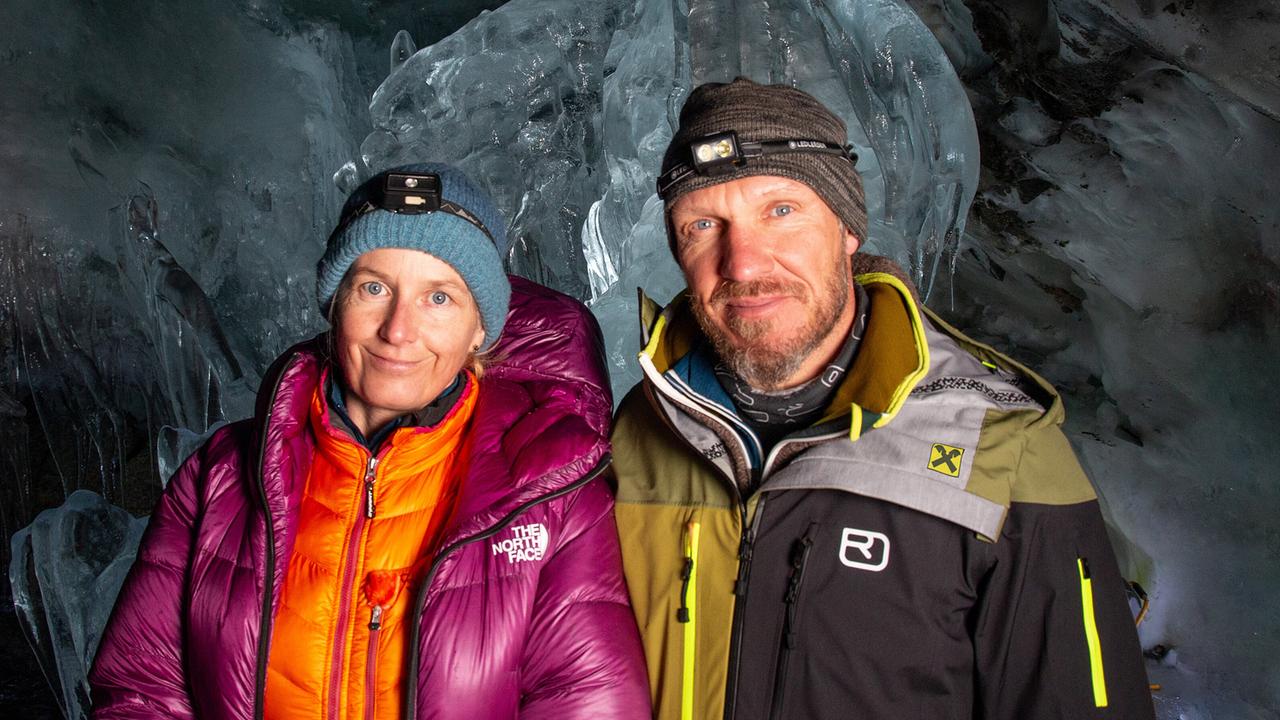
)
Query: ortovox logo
[
  {"x": 527, "y": 543},
  {"x": 864, "y": 550},
  {"x": 946, "y": 459}
]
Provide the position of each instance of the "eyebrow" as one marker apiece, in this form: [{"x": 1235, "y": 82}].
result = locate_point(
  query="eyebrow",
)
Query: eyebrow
[
  {"x": 383, "y": 277},
  {"x": 356, "y": 272}
]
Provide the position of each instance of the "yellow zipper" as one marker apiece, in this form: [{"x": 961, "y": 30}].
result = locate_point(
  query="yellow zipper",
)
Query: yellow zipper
[
  {"x": 689, "y": 617},
  {"x": 1091, "y": 634}
]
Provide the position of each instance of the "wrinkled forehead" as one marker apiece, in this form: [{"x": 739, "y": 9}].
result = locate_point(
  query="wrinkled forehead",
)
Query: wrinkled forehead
[{"x": 747, "y": 190}]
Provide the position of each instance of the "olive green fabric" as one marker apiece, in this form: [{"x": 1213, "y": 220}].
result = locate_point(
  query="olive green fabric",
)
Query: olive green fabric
[{"x": 917, "y": 384}]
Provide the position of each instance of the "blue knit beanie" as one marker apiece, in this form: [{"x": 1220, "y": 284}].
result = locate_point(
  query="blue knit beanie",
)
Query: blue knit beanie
[{"x": 452, "y": 239}]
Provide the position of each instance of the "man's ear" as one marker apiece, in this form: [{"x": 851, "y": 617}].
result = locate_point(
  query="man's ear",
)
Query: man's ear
[{"x": 851, "y": 242}]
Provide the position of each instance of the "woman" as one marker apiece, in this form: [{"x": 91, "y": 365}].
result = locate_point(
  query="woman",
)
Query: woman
[{"x": 389, "y": 536}]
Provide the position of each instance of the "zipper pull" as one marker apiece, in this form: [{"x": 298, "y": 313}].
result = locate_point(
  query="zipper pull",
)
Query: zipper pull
[
  {"x": 799, "y": 556},
  {"x": 682, "y": 613},
  {"x": 368, "y": 487},
  {"x": 744, "y": 560},
  {"x": 375, "y": 619}
]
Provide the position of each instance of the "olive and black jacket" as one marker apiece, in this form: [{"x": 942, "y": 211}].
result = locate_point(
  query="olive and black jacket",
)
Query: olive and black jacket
[{"x": 929, "y": 549}]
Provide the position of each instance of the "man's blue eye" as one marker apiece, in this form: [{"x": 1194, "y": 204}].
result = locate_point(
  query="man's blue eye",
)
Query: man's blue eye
[
  {"x": 439, "y": 298},
  {"x": 783, "y": 210},
  {"x": 702, "y": 224},
  {"x": 373, "y": 288}
]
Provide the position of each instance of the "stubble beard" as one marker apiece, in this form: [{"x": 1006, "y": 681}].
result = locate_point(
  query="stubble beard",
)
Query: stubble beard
[{"x": 750, "y": 353}]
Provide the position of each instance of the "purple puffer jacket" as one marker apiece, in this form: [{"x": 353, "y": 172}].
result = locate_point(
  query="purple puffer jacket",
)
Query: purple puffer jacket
[{"x": 544, "y": 633}]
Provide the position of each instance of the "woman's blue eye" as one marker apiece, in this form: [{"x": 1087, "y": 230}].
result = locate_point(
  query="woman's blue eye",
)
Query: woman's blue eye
[
  {"x": 373, "y": 288},
  {"x": 439, "y": 298}
]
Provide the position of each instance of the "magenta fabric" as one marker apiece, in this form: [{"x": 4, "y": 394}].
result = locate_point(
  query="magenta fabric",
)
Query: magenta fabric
[{"x": 542, "y": 633}]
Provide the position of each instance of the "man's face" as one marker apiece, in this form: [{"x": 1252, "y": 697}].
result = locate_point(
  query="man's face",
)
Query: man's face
[{"x": 767, "y": 264}]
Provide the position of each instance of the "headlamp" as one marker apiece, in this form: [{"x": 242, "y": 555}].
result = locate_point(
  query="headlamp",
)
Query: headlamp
[
  {"x": 716, "y": 154},
  {"x": 721, "y": 154},
  {"x": 411, "y": 194}
]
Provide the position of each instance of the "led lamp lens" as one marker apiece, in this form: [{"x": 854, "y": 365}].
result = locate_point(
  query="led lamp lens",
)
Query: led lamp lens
[{"x": 716, "y": 154}]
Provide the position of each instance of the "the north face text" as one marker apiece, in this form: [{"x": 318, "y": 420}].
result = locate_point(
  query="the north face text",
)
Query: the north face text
[{"x": 527, "y": 543}]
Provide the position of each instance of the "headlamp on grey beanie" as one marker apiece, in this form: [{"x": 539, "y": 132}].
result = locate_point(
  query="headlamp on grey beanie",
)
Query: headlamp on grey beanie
[
  {"x": 430, "y": 207},
  {"x": 741, "y": 129},
  {"x": 722, "y": 154}
]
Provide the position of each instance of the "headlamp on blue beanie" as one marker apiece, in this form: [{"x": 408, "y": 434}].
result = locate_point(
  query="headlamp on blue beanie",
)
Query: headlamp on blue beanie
[{"x": 430, "y": 207}]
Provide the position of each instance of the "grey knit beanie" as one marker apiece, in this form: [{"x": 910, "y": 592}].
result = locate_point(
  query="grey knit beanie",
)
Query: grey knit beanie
[
  {"x": 475, "y": 255},
  {"x": 766, "y": 113}
]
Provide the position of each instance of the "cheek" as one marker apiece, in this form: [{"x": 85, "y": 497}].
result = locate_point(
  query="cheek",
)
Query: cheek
[{"x": 700, "y": 272}]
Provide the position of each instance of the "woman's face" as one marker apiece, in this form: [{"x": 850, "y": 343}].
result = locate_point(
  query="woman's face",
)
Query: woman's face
[{"x": 406, "y": 326}]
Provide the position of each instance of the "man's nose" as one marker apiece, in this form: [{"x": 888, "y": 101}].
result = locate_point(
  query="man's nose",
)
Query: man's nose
[{"x": 746, "y": 255}]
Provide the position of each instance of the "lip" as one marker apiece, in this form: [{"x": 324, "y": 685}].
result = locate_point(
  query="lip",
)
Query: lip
[
  {"x": 391, "y": 365},
  {"x": 755, "y": 306}
]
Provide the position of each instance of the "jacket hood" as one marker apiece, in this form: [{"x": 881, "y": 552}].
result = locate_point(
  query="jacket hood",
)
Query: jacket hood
[
  {"x": 892, "y": 358},
  {"x": 925, "y": 388}
]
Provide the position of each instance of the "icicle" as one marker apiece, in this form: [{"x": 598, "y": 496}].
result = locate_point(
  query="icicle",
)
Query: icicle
[{"x": 402, "y": 48}]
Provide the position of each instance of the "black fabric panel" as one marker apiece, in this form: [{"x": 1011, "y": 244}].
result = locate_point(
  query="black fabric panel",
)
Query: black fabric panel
[
  {"x": 885, "y": 644},
  {"x": 1032, "y": 651},
  {"x": 951, "y": 628}
]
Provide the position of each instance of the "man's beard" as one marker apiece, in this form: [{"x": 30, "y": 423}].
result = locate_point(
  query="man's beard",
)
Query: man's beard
[{"x": 763, "y": 363}]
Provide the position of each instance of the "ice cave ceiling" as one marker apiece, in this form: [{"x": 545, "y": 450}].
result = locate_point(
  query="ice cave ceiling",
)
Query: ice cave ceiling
[{"x": 168, "y": 172}]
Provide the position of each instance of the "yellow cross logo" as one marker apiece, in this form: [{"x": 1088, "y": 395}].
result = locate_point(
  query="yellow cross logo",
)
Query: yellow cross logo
[{"x": 946, "y": 459}]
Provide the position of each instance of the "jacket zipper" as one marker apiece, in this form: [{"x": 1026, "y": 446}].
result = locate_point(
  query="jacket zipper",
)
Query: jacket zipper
[
  {"x": 790, "y": 632},
  {"x": 745, "y": 548},
  {"x": 688, "y": 614},
  {"x": 1096, "y": 676},
  {"x": 269, "y": 535},
  {"x": 420, "y": 596},
  {"x": 371, "y": 662},
  {"x": 344, "y": 598}
]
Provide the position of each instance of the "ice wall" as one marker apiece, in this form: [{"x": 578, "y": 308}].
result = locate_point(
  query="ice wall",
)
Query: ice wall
[
  {"x": 164, "y": 192},
  {"x": 67, "y": 569},
  {"x": 162, "y": 200},
  {"x": 1126, "y": 243},
  {"x": 563, "y": 109},
  {"x": 164, "y": 197}
]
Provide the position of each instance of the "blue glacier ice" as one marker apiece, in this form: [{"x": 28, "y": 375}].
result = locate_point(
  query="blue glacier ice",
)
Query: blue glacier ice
[
  {"x": 163, "y": 199},
  {"x": 564, "y": 110},
  {"x": 67, "y": 568}
]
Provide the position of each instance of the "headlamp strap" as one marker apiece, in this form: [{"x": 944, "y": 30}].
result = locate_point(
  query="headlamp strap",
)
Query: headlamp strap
[
  {"x": 746, "y": 151},
  {"x": 397, "y": 196}
]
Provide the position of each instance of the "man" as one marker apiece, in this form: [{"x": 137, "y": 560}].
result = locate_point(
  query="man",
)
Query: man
[{"x": 831, "y": 503}]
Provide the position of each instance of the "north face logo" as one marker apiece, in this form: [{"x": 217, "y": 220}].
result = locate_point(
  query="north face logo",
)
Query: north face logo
[
  {"x": 864, "y": 550},
  {"x": 527, "y": 543}
]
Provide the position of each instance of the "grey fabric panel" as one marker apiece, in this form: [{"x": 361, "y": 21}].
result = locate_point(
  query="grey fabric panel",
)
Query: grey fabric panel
[
  {"x": 701, "y": 437},
  {"x": 951, "y": 369},
  {"x": 893, "y": 485},
  {"x": 892, "y": 463}
]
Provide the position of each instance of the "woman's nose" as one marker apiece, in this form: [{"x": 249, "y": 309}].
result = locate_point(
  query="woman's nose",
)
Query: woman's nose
[{"x": 399, "y": 325}]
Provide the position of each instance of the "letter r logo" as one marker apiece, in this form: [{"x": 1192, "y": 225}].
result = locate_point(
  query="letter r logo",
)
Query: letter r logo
[{"x": 864, "y": 550}]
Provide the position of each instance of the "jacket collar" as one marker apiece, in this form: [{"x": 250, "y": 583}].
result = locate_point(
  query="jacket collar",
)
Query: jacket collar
[
  {"x": 540, "y": 423},
  {"x": 892, "y": 358}
]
